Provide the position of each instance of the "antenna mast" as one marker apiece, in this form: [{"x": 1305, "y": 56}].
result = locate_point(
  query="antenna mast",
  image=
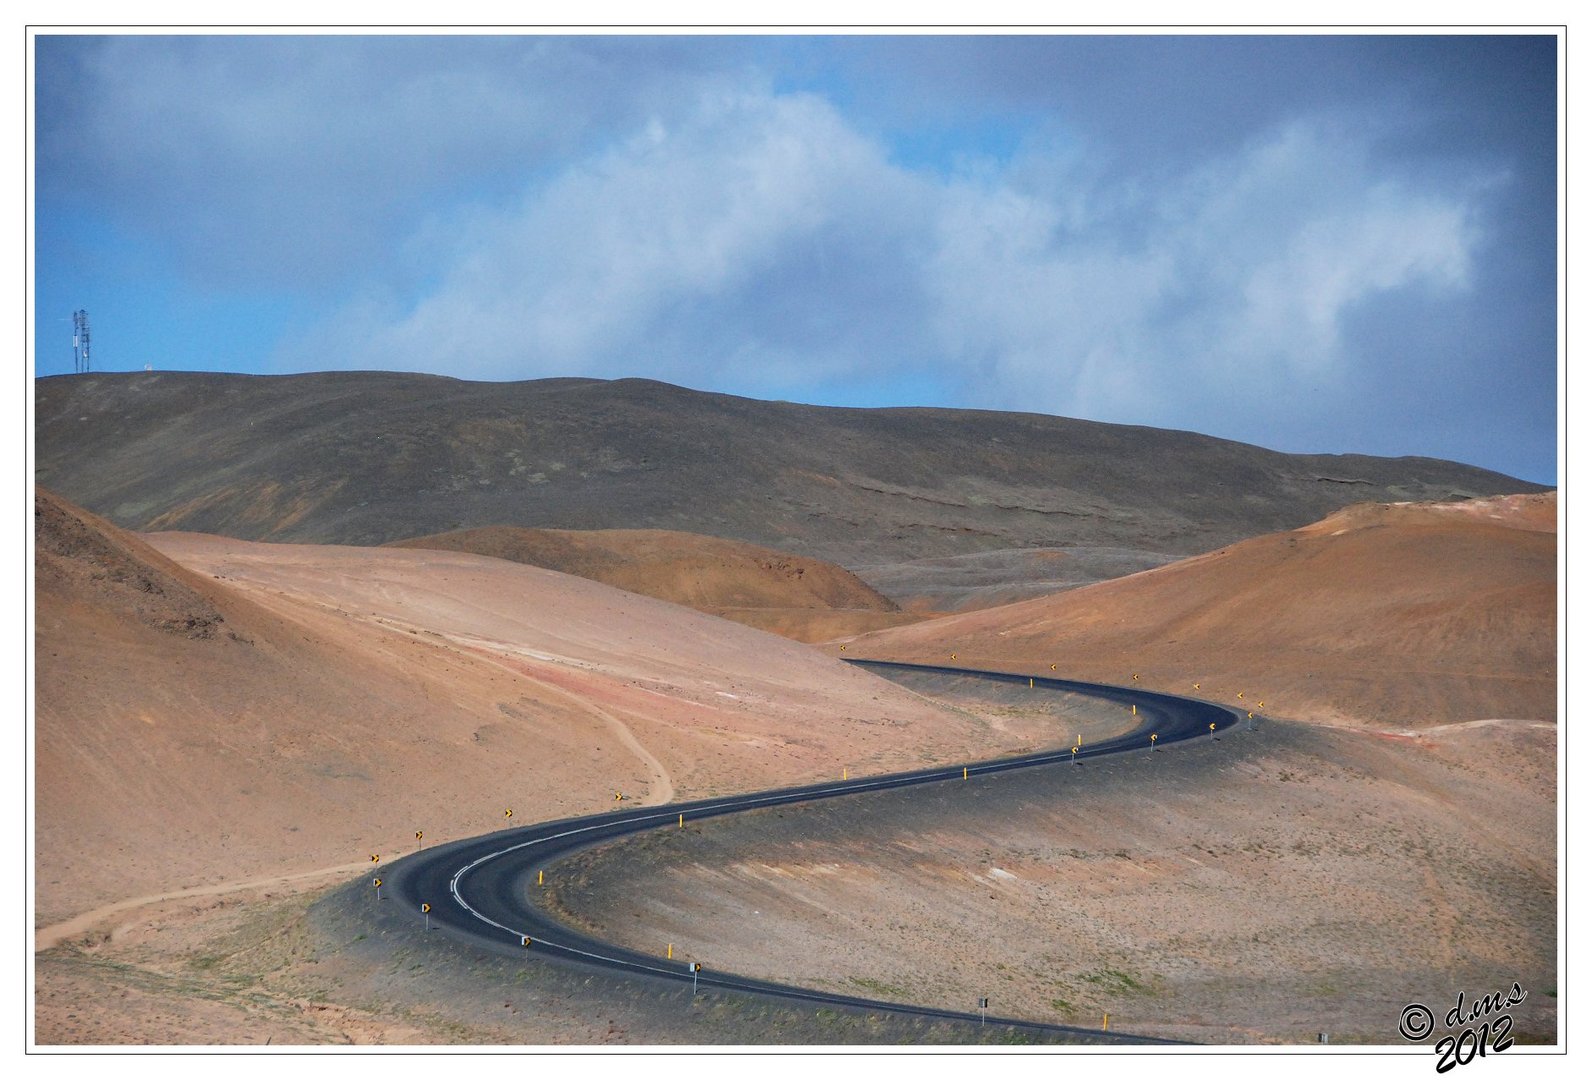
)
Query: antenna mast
[{"x": 80, "y": 358}]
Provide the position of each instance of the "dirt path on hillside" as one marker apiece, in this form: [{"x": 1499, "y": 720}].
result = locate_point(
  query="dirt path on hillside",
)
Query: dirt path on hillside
[
  {"x": 1471, "y": 725},
  {"x": 49, "y": 936},
  {"x": 660, "y": 788}
]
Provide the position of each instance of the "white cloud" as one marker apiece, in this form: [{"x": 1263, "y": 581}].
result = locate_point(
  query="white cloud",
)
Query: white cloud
[
  {"x": 278, "y": 160},
  {"x": 717, "y": 240},
  {"x": 757, "y": 241},
  {"x": 1243, "y": 271}
]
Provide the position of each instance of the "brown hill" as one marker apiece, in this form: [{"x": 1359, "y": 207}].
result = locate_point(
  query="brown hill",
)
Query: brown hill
[
  {"x": 370, "y": 457},
  {"x": 219, "y": 711},
  {"x": 1398, "y": 616},
  {"x": 770, "y": 589},
  {"x": 992, "y": 578},
  {"x": 82, "y": 559}
]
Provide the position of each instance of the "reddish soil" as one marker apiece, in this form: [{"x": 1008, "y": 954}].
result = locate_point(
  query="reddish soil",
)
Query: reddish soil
[
  {"x": 1400, "y": 616},
  {"x": 800, "y": 598},
  {"x": 219, "y": 711}
]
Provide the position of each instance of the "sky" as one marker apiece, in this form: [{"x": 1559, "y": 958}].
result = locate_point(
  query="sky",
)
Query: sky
[{"x": 1327, "y": 244}]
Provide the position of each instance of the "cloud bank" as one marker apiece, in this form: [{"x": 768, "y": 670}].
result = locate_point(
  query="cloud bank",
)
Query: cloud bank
[{"x": 785, "y": 218}]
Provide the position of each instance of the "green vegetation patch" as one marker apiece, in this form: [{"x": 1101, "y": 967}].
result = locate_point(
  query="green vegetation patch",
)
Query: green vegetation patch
[{"x": 874, "y": 986}]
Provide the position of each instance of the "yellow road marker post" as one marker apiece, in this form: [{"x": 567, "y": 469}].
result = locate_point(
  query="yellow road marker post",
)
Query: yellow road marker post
[
  {"x": 1075, "y": 755},
  {"x": 1052, "y": 667},
  {"x": 377, "y": 882},
  {"x": 375, "y": 858},
  {"x": 1135, "y": 710},
  {"x": 1105, "y": 1022},
  {"x": 425, "y": 909},
  {"x": 508, "y": 814},
  {"x": 843, "y": 775},
  {"x": 420, "y": 834},
  {"x": 1080, "y": 740},
  {"x": 682, "y": 821},
  {"x": 1153, "y": 737},
  {"x": 539, "y": 876},
  {"x": 1213, "y": 729},
  {"x": 525, "y": 941},
  {"x": 964, "y": 772}
]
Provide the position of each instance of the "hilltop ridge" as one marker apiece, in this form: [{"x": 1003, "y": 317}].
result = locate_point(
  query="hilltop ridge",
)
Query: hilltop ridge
[{"x": 372, "y": 457}]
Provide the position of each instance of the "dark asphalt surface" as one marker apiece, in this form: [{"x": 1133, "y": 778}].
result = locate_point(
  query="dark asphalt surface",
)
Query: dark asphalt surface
[{"x": 479, "y": 888}]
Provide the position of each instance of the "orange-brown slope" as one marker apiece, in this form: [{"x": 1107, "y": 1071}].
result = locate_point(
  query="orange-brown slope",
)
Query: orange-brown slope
[
  {"x": 1395, "y": 616},
  {"x": 216, "y": 711},
  {"x": 186, "y": 735},
  {"x": 802, "y": 598}
]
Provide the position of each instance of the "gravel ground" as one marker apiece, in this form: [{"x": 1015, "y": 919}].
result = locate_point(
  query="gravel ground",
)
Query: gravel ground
[{"x": 1260, "y": 888}]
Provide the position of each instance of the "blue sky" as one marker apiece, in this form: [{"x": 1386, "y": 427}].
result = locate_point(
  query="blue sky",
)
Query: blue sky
[{"x": 1313, "y": 243}]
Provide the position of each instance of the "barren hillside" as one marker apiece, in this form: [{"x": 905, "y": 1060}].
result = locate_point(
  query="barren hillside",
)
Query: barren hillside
[
  {"x": 370, "y": 457},
  {"x": 221, "y": 711},
  {"x": 1258, "y": 888},
  {"x": 1397, "y": 617},
  {"x": 789, "y": 594}
]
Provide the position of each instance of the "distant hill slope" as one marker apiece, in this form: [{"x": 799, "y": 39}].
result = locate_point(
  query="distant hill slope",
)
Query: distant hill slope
[
  {"x": 1392, "y": 616},
  {"x": 704, "y": 572},
  {"x": 370, "y": 457},
  {"x": 799, "y": 597},
  {"x": 984, "y": 579}
]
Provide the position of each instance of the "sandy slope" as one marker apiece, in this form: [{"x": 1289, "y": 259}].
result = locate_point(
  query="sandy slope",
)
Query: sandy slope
[
  {"x": 791, "y": 595},
  {"x": 265, "y": 709},
  {"x": 1398, "y": 616},
  {"x": 704, "y": 572}
]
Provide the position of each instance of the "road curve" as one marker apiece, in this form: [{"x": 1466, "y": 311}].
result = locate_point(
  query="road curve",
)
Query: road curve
[{"x": 478, "y": 889}]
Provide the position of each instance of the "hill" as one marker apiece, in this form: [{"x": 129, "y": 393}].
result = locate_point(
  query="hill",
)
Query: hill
[
  {"x": 210, "y": 710},
  {"x": 1401, "y": 617},
  {"x": 371, "y": 457},
  {"x": 759, "y": 586}
]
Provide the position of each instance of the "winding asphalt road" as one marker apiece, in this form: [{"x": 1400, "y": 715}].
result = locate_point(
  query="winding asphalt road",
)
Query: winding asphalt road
[{"x": 478, "y": 889}]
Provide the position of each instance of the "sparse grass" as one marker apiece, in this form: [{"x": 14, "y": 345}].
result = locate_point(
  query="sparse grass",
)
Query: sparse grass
[
  {"x": 874, "y": 986},
  {"x": 1014, "y": 1037},
  {"x": 1118, "y": 983}
]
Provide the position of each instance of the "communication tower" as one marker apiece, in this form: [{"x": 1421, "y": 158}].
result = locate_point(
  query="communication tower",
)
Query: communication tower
[{"x": 80, "y": 358}]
